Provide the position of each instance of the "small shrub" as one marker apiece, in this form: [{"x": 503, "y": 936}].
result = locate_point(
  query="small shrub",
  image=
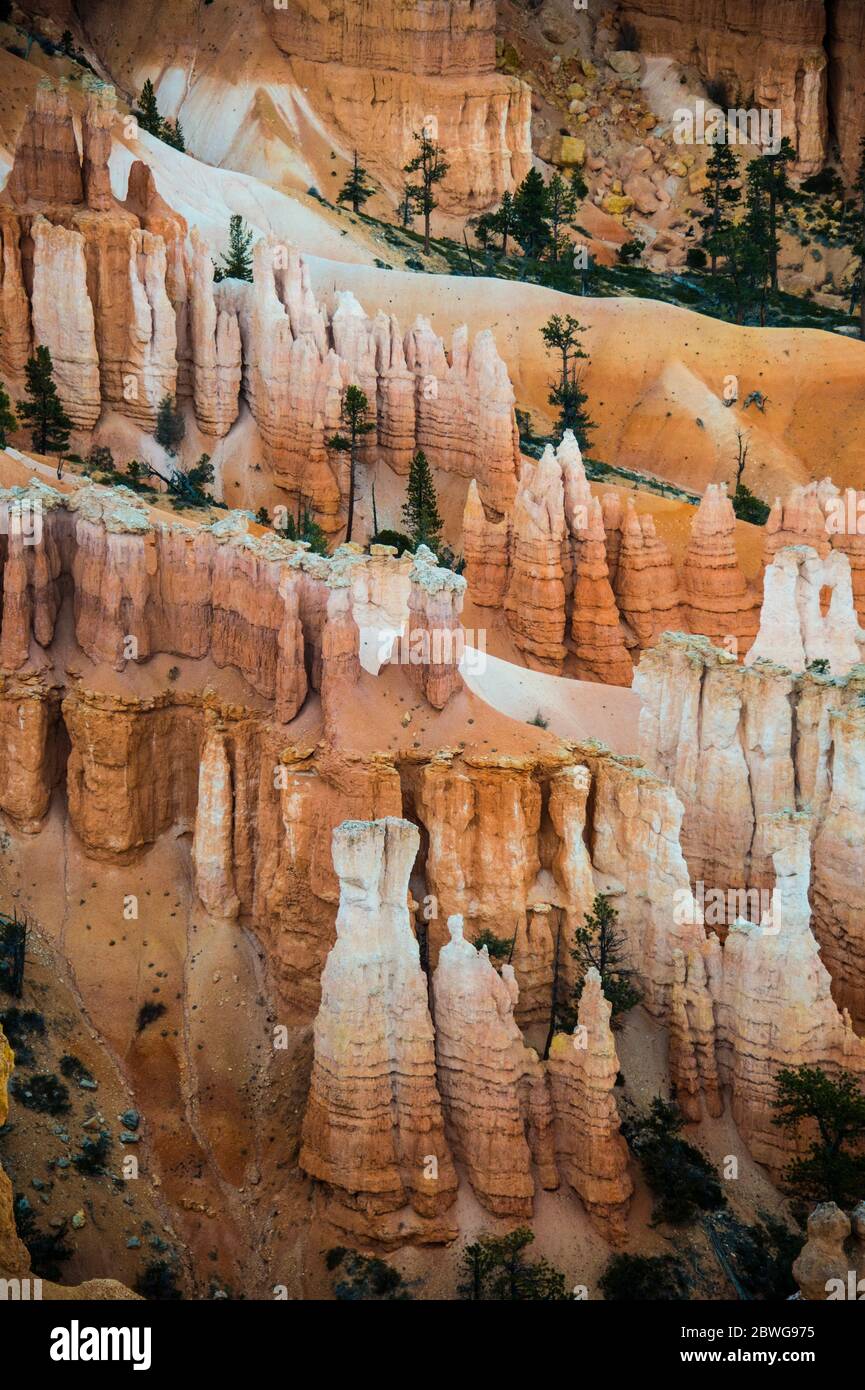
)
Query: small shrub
[
  {"x": 680, "y": 1176},
  {"x": 397, "y": 538},
  {"x": 41, "y": 1091},
  {"x": 74, "y": 1069},
  {"x": 629, "y": 1278},
  {"x": 498, "y": 947},
  {"x": 748, "y": 507},
  {"x": 539, "y": 721},
  {"x": 46, "y": 1249},
  {"x": 19, "y": 1025},
  {"x": 629, "y": 39},
  {"x": 149, "y": 1013},
  {"x": 696, "y": 259},
  {"x": 158, "y": 1282},
  {"x": 367, "y": 1278},
  {"x": 173, "y": 673}
]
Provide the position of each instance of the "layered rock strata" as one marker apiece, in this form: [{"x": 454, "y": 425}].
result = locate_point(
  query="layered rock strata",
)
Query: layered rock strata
[
  {"x": 373, "y": 1131},
  {"x": 591, "y": 1151},
  {"x": 496, "y": 1107}
]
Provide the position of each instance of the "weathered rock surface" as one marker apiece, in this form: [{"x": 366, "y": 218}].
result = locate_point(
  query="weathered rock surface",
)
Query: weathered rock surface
[
  {"x": 822, "y": 1259},
  {"x": 591, "y": 1151},
  {"x": 535, "y": 600},
  {"x": 719, "y": 602},
  {"x": 493, "y": 1089},
  {"x": 373, "y": 1131}
]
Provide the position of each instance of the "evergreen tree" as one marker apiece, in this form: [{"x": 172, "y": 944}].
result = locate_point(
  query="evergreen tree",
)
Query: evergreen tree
[
  {"x": 237, "y": 264},
  {"x": 598, "y": 944},
  {"x": 354, "y": 413},
  {"x": 432, "y": 166},
  {"x": 43, "y": 412},
  {"x": 722, "y": 169},
  {"x": 834, "y": 1169},
  {"x": 8, "y": 422},
  {"x": 355, "y": 190},
  {"x": 496, "y": 1268},
  {"x": 563, "y": 198},
  {"x": 172, "y": 134},
  {"x": 420, "y": 515},
  {"x": 148, "y": 111},
  {"x": 170, "y": 426},
  {"x": 406, "y": 207},
  {"x": 562, "y": 335},
  {"x": 531, "y": 209},
  {"x": 67, "y": 43},
  {"x": 505, "y": 220},
  {"x": 769, "y": 173},
  {"x": 305, "y": 528}
]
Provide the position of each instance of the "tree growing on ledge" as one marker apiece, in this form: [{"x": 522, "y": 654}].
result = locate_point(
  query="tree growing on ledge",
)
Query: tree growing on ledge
[
  {"x": 420, "y": 513},
  {"x": 151, "y": 121},
  {"x": 43, "y": 412},
  {"x": 562, "y": 335},
  {"x": 598, "y": 944},
  {"x": 432, "y": 166},
  {"x": 354, "y": 415},
  {"x": 355, "y": 190},
  {"x": 237, "y": 263},
  {"x": 170, "y": 426}
]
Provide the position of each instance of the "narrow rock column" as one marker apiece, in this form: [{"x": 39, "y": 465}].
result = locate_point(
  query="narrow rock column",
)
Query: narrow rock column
[
  {"x": 373, "y": 1130},
  {"x": 213, "y": 841},
  {"x": 486, "y": 1074},
  {"x": 591, "y": 1151}
]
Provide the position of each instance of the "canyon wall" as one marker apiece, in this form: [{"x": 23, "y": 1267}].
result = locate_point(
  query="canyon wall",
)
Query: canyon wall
[
  {"x": 380, "y": 72},
  {"x": 757, "y": 56}
]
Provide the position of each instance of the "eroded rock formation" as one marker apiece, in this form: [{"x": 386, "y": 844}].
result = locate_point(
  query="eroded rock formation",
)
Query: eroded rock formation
[
  {"x": 373, "y": 1131},
  {"x": 592, "y": 1153},
  {"x": 493, "y": 1089}
]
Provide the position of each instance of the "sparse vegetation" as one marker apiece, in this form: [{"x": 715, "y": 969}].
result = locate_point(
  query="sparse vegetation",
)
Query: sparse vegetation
[
  {"x": 597, "y": 943},
  {"x": 629, "y": 1278},
  {"x": 20, "y": 1025},
  {"x": 832, "y": 1110},
  {"x": 237, "y": 262},
  {"x": 149, "y": 1013},
  {"x": 495, "y": 1268},
  {"x": 93, "y": 1154},
  {"x": 42, "y": 1091},
  {"x": 159, "y": 1282},
  {"x": 682, "y": 1179},
  {"x": 364, "y": 1278},
  {"x": 498, "y": 947}
]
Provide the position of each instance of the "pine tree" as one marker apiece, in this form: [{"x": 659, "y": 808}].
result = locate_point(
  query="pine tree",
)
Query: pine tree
[
  {"x": 420, "y": 512},
  {"x": 67, "y": 43},
  {"x": 237, "y": 264},
  {"x": 44, "y": 412},
  {"x": 170, "y": 426},
  {"x": 834, "y": 1110},
  {"x": 598, "y": 944},
  {"x": 172, "y": 134},
  {"x": 722, "y": 169},
  {"x": 355, "y": 190},
  {"x": 562, "y": 335},
  {"x": 496, "y": 1268},
  {"x": 432, "y": 166},
  {"x": 769, "y": 172},
  {"x": 531, "y": 209},
  {"x": 354, "y": 413},
  {"x": 563, "y": 197},
  {"x": 8, "y": 422},
  {"x": 148, "y": 111}
]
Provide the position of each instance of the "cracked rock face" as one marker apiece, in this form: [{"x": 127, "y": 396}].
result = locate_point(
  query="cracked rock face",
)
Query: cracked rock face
[{"x": 373, "y": 1132}]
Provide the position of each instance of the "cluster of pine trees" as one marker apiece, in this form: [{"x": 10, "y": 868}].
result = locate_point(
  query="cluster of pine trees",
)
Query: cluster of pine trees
[{"x": 150, "y": 119}]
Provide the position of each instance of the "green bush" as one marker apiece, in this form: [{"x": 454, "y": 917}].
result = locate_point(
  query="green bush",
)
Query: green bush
[{"x": 628, "y": 1278}]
